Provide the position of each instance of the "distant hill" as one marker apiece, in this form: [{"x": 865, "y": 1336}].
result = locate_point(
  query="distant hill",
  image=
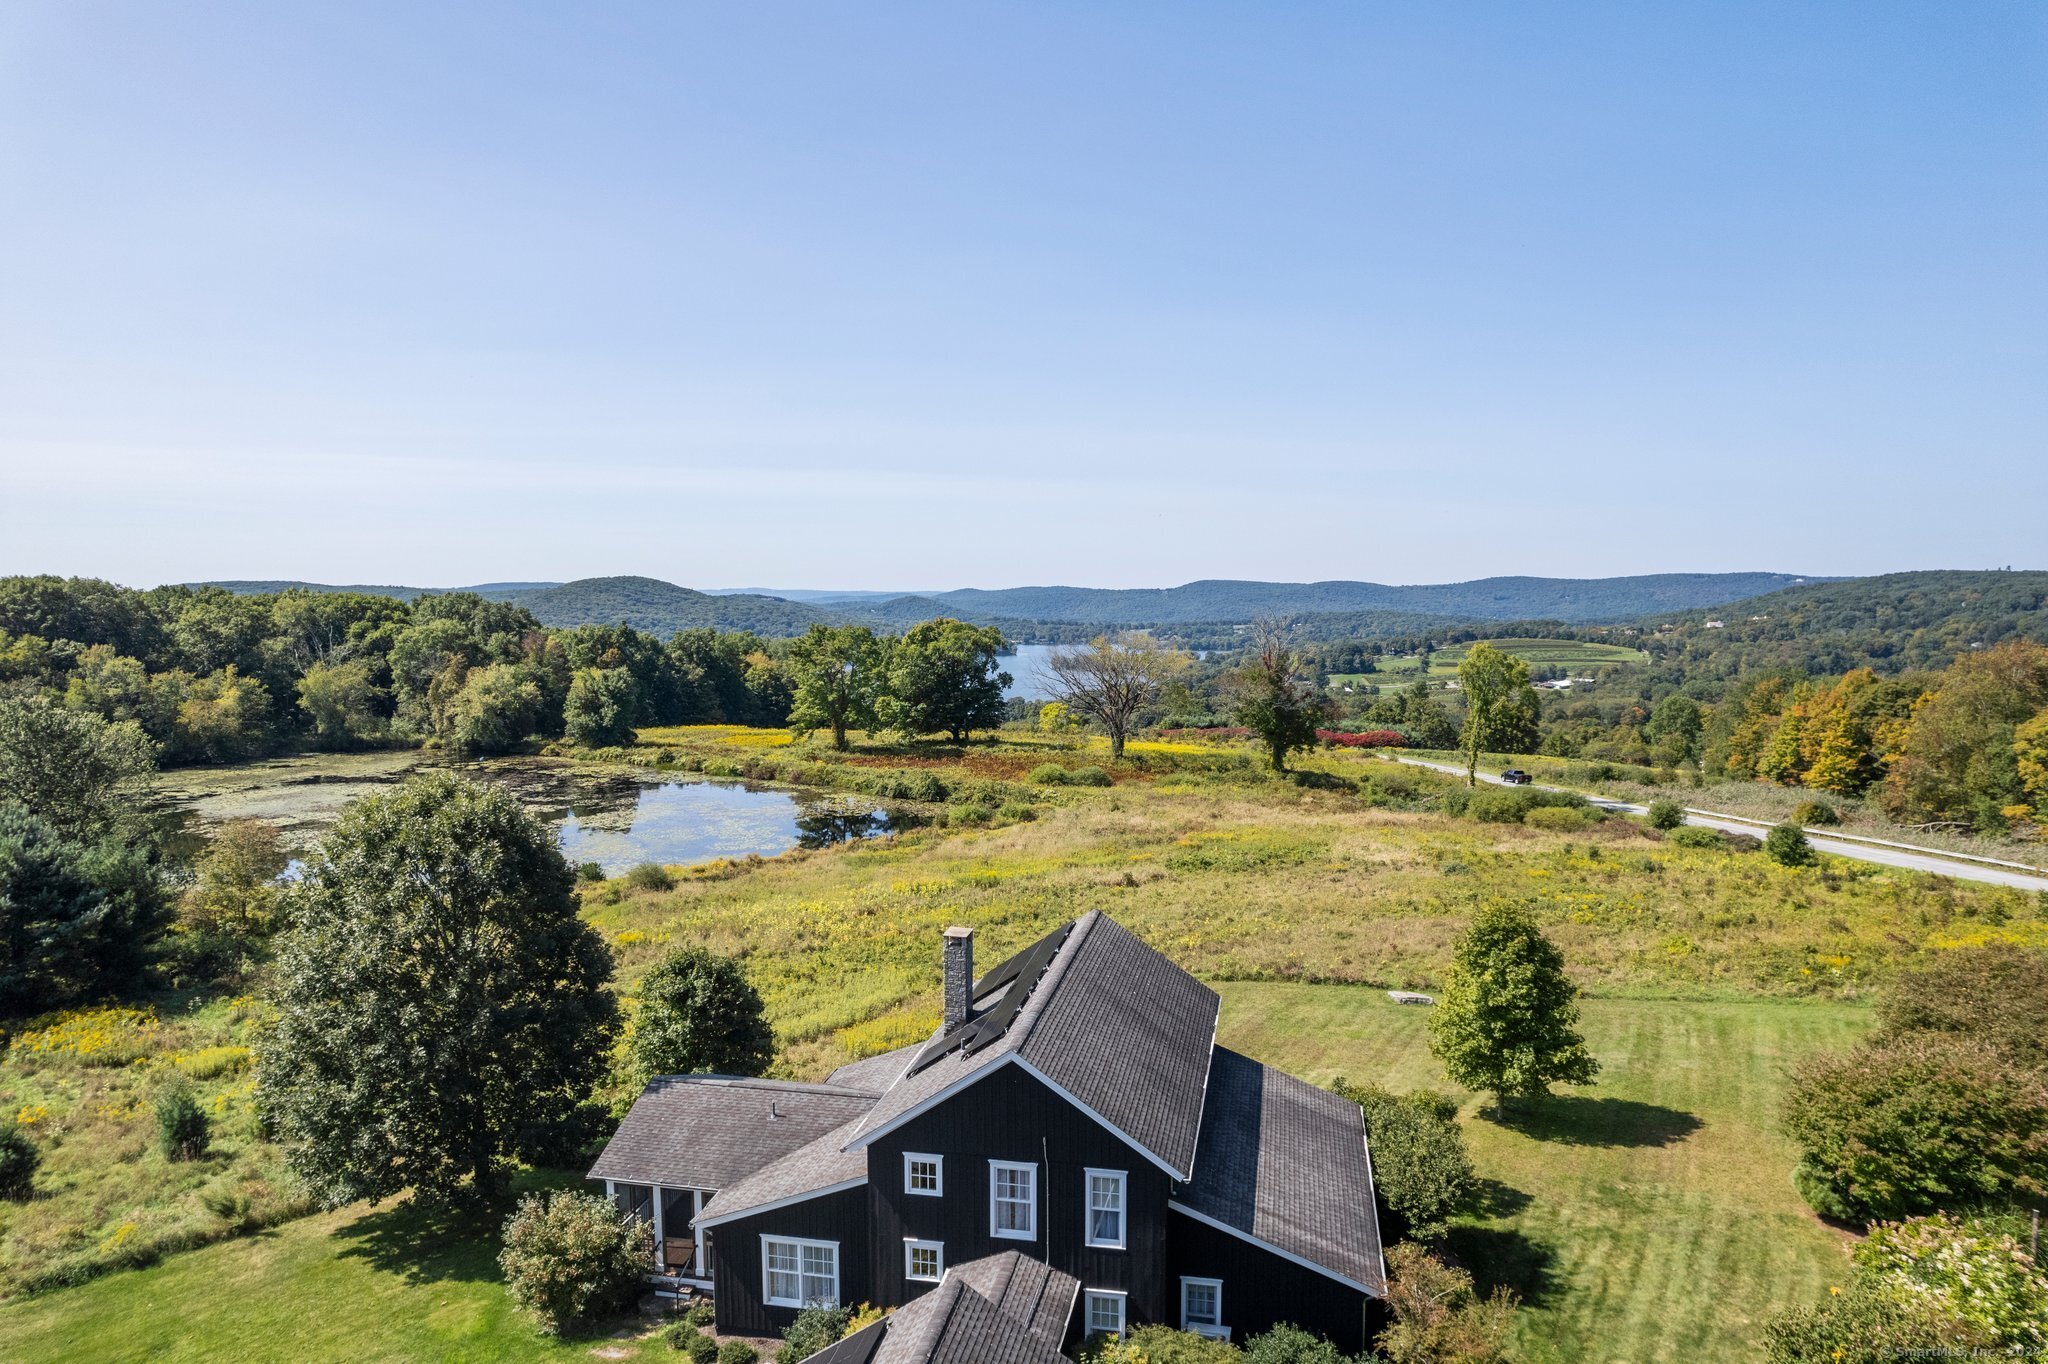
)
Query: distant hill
[
  {"x": 250, "y": 587},
  {"x": 662, "y": 608},
  {"x": 1895, "y": 622},
  {"x": 1565, "y": 599}
]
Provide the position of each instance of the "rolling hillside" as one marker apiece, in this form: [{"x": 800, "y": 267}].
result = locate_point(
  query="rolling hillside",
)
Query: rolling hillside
[{"x": 1574, "y": 600}]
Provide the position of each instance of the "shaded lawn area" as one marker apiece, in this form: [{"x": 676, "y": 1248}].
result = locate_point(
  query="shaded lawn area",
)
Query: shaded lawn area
[
  {"x": 362, "y": 1284},
  {"x": 1648, "y": 1217}
]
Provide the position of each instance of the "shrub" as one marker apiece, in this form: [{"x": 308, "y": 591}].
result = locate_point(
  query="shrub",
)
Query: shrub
[
  {"x": 1666, "y": 814},
  {"x": 182, "y": 1128},
  {"x": 570, "y": 1256},
  {"x": 18, "y": 1161},
  {"x": 1160, "y": 1345},
  {"x": 1786, "y": 845},
  {"x": 1438, "y": 1317},
  {"x": 1048, "y": 774},
  {"x": 684, "y": 1336},
  {"x": 1419, "y": 1161},
  {"x": 651, "y": 876},
  {"x": 589, "y": 871},
  {"x": 1993, "y": 993},
  {"x": 700, "y": 1314},
  {"x": 738, "y": 1352},
  {"x": 1693, "y": 836},
  {"x": 1863, "y": 1322},
  {"x": 1981, "y": 1277},
  {"x": 1090, "y": 775},
  {"x": 702, "y": 1350},
  {"x": 1815, "y": 812},
  {"x": 1490, "y": 806},
  {"x": 813, "y": 1329},
  {"x": 1371, "y": 738},
  {"x": 1556, "y": 818},
  {"x": 1915, "y": 1123},
  {"x": 1017, "y": 812},
  {"x": 1289, "y": 1344}
]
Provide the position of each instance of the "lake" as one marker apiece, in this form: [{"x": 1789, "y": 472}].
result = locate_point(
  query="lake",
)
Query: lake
[
  {"x": 616, "y": 817},
  {"x": 1029, "y": 681}
]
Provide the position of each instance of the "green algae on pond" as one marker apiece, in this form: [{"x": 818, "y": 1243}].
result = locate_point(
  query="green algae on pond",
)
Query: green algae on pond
[{"x": 616, "y": 817}]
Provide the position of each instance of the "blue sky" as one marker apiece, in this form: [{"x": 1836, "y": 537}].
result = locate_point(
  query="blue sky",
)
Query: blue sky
[{"x": 878, "y": 295}]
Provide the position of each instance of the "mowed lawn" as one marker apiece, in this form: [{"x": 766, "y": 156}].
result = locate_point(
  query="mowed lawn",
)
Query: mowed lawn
[
  {"x": 1648, "y": 1217},
  {"x": 369, "y": 1286}
]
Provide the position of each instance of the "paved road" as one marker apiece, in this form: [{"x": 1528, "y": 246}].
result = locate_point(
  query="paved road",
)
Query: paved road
[{"x": 1862, "y": 852}]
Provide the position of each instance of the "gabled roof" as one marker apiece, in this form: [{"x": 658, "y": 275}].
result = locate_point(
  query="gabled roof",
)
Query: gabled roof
[
  {"x": 1112, "y": 1024},
  {"x": 820, "y": 1167},
  {"x": 1005, "y": 1309},
  {"x": 875, "y": 1073},
  {"x": 1284, "y": 1164},
  {"x": 712, "y": 1131}
]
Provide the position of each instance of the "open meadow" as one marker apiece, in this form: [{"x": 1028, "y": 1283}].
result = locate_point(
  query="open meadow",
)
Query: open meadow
[
  {"x": 1650, "y": 1217},
  {"x": 1579, "y": 656}
]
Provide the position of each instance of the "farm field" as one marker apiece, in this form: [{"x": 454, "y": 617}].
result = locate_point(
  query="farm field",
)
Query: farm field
[
  {"x": 1646, "y": 1218},
  {"x": 1537, "y": 653}
]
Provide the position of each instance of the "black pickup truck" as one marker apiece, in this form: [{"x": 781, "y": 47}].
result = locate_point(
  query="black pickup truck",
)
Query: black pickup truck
[{"x": 1515, "y": 776}]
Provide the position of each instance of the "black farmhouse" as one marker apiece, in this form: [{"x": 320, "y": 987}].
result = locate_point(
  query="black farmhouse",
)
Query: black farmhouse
[{"x": 1073, "y": 1110}]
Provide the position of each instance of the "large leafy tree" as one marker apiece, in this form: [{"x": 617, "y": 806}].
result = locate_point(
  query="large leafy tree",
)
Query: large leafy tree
[
  {"x": 1277, "y": 698},
  {"x": 76, "y": 919},
  {"x": 1507, "y": 1021},
  {"x": 1959, "y": 764},
  {"x": 600, "y": 709},
  {"x": 441, "y": 1007},
  {"x": 1500, "y": 705},
  {"x": 344, "y": 703},
  {"x": 1113, "y": 679},
  {"x": 840, "y": 672},
  {"x": 699, "y": 1014},
  {"x": 72, "y": 769},
  {"x": 945, "y": 676}
]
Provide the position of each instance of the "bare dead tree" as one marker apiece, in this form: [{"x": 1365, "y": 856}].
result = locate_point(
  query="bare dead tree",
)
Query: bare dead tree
[{"x": 1113, "y": 678}]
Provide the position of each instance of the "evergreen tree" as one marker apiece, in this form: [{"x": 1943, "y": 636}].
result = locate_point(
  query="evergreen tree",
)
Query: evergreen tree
[
  {"x": 76, "y": 919},
  {"x": 1507, "y": 1021},
  {"x": 441, "y": 1007}
]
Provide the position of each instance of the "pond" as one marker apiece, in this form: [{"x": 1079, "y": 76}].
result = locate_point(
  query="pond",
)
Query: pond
[{"x": 616, "y": 817}]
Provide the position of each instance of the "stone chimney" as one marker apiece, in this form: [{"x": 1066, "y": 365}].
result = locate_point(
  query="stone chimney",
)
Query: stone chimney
[{"x": 959, "y": 975}]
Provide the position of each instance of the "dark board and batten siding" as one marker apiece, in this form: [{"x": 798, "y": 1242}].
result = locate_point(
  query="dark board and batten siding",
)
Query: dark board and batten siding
[
  {"x": 1012, "y": 1116},
  {"x": 736, "y": 1258},
  {"x": 1261, "y": 1289}
]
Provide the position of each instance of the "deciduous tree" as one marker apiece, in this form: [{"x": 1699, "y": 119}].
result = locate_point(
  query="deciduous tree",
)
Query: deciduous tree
[
  {"x": 699, "y": 1013},
  {"x": 944, "y": 676},
  {"x": 1113, "y": 678},
  {"x": 1500, "y": 705},
  {"x": 1276, "y": 699},
  {"x": 840, "y": 672},
  {"x": 1507, "y": 1021},
  {"x": 599, "y": 711},
  {"x": 71, "y": 768},
  {"x": 441, "y": 1007}
]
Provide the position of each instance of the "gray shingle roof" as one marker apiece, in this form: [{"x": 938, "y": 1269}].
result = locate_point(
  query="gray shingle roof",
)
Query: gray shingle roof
[
  {"x": 712, "y": 1131},
  {"x": 1116, "y": 1025},
  {"x": 1286, "y": 1163},
  {"x": 807, "y": 1170},
  {"x": 1005, "y": 1309},
  {"x": 875, "y": 1073}
]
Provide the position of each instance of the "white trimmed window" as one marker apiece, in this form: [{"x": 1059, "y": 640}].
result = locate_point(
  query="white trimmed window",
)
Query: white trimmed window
[
  {"x": 1105, "y": 1312},
  {"x": 1201, "y": 1308},
  {"x": 923, "y": 1174},
  {"x": 1105, "y": 1211},
  {"x": 1012, "y": 1201},
  {"x": 924, "y": 1261},
  {"x": 799, "y": 1273}
]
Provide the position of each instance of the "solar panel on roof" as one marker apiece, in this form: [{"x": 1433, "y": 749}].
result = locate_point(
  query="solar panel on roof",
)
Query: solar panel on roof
[{"x": 1020, "y": 973}]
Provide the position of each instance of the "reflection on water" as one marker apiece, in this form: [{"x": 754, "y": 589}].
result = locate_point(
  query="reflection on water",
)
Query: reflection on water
[
  {"x": 680, "y": 822},
  {"x": 615, "y": 817}
]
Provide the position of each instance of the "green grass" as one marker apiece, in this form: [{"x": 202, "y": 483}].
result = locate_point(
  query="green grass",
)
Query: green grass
[
  {"x": 364, "y": 1285},
  {"x": 1649, "y": 1217}
]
